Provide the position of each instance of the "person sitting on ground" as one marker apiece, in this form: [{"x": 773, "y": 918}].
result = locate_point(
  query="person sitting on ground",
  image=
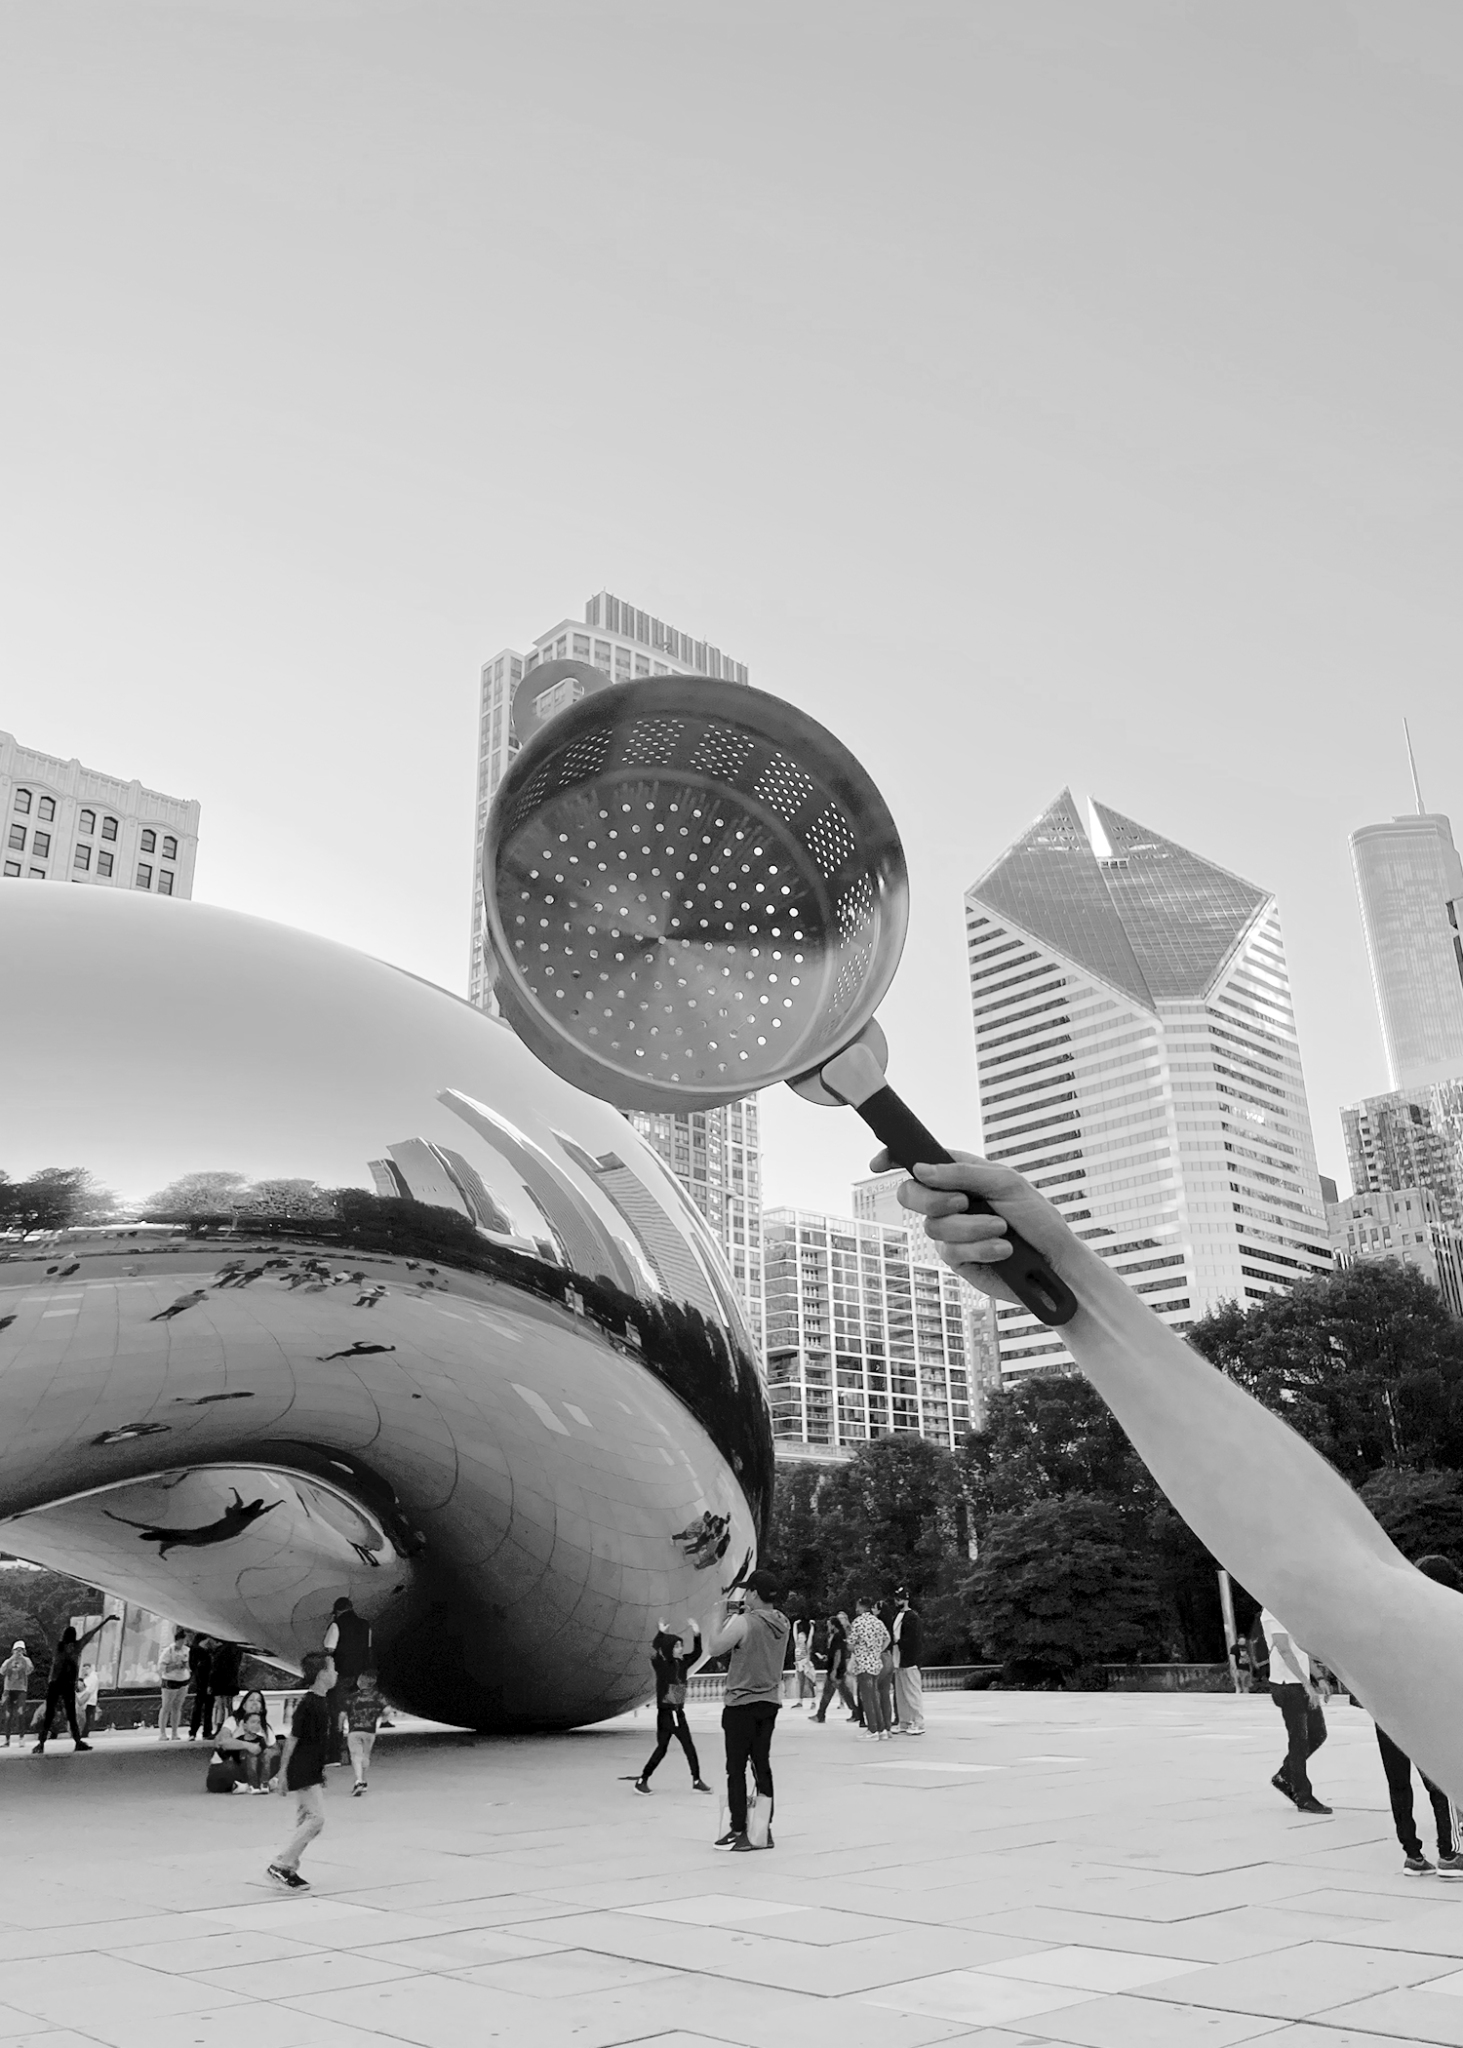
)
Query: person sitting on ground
[
  {"x": 362, "y": 1718},
  {"x": 1255, "y": 1493},
  {"x": 671, "y": 1662},
  {"x": 239, "y": 1751}
]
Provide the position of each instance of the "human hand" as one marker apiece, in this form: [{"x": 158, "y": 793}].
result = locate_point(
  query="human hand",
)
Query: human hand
[{"x": 974, "y": 1245}]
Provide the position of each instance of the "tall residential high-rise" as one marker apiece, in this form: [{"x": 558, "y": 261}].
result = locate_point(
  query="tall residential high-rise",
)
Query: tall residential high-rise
[
  {"x": 863, "y": 1340},
  {"x": 66, "y": 823},
  {"x": 715, "y": 1153},
  {"x": 1409, "y": 882},
  {"x": 1412, "y": 1138},
  {"x": 876, "y": 1200},
  {"x": 1137, "y": 1059}
]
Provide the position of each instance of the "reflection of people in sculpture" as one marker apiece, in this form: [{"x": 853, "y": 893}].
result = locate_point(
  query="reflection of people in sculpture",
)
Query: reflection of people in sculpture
[
  {"x": 705, "y": 1541},
  {"x": 359, "y": 1349},
  {"x": 176, "y": 1308},
  {"x": 234, "y": 1520},
  {"x": 1265, "y": 1503}
]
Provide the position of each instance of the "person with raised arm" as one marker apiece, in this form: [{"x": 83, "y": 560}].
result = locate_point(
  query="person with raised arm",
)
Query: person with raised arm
[{"x": 1267, "y": 1505}]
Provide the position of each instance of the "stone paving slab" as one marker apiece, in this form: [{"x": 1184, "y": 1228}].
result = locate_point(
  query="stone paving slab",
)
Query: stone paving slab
[{"x": 1041, "y": 1868}]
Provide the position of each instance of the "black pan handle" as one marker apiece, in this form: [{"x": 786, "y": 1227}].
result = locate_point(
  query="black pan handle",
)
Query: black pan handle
[{"x": 1026, "y": 1272}]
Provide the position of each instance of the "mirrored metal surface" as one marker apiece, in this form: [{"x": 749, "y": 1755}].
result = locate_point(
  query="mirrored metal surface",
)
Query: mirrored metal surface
[{"x": 313, "y": 1281}]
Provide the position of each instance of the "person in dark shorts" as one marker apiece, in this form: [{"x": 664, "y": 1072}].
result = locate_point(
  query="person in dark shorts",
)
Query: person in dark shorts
[
  {"x": 302, "y": 1769},
  {"x": 756, "y": 1637},
  {"x": 671, "y": 1662}
]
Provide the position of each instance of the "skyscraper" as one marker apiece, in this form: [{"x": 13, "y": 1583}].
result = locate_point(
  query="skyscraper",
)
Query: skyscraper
[
  {"x": 1412, "y": 1138},
  {"x": 863, "y": 1340},
  {"x": 1409, "y": 882},
  {"x": 1405, "y": 1224},
  {"x": 715, "y": 1153},
  {"x": 1137, "y": 1059},
  {"x": 66, "y": 823}
]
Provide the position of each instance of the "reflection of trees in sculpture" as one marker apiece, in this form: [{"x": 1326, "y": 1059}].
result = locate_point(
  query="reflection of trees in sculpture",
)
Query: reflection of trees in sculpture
[
  {"x": 199, "y": 1195},
  {"x": 687, "y": 1351},
  {"x": 55, "y": 1198}
]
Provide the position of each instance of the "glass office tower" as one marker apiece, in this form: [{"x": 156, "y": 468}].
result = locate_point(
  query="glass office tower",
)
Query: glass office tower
[{"x": 1138, "y": 1061}]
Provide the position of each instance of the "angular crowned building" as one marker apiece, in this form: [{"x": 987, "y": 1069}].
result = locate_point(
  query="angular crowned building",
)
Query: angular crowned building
[{"x": 1138, "y": 1060}]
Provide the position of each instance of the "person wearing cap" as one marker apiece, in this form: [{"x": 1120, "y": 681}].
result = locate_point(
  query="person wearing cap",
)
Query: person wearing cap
[
  {"x": 755, "y": 1634},
  {"x": 15, "y": 1674},
  {"x": 909, "y": 1700}
]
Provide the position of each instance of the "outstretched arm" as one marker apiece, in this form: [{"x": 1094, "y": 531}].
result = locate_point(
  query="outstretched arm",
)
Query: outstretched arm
[
  {"x": 82, "y": 1641},
  {"x": 1266, "y": 1504}
]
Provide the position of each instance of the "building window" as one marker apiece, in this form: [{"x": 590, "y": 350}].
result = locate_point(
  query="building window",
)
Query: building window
[
  {"x": 36, "y": 874},
  {"x": 149, "y": 842},
  {"x": 82, "y": 857},
  {"x": 88, "y": 822},
  {"x": 12, "y": 867},
  {"x": 170, "y": 848},
  {"x": 17, "y": 838},
  {"x": 104, "y": 863},
  {"x": 109, "y": 828},
  {"x": 22, "y": 801},
  {"x": 40, "y": 845},
  {"x": 165, "y": 882},
  {"x": 46, "y": 809},
  {"x": 144, "y": 878}
]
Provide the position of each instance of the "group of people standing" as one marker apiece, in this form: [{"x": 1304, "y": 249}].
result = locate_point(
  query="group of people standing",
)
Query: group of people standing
[
  {"x": 879, "y": 1651},
  {"x": 212, "y": 1668}
]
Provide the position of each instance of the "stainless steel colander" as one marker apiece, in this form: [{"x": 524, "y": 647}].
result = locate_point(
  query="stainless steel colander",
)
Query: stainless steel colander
[{"x": 693, "y": 890}]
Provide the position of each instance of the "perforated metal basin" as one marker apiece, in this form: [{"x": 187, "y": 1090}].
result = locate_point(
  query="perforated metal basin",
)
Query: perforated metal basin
[{"x": 692, "y": 891}]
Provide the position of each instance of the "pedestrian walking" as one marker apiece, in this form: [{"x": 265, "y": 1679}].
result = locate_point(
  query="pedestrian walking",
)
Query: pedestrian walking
[
  {"x": 671, "y": 1658},
  {"x": 61, "y": 1687},
  {"x": 836, "y": 1674},
  {"x": 909, "y": 1698},
  {"x": 802, "y": 1661},
  {"x": 173, "y": 1674},
  {"x": 1294, "y": 1691},
  {"x": 1398, "y": 1767},
  {"x": 302, "y": 1770},
  {"x": 755, "y": 1634},
  {"x": 868, "y": 1646},
  {"x": 363, "y": 1712},
  {"x": 15, "y": 1674},
  {"x": 348, "y": 1645},
  {"x": 200, "y": 1669}
]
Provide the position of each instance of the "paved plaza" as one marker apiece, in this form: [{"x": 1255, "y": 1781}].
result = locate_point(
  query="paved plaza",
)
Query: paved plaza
[{"x": 1039, "y": 1868}]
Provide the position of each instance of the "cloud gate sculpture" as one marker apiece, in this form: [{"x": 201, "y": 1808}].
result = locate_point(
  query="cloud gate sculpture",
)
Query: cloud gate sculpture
[{"x": 313, "y": 1282}]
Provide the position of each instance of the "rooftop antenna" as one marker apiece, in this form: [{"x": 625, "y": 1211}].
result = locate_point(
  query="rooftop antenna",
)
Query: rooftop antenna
[{"x": 1412, "y": 764}]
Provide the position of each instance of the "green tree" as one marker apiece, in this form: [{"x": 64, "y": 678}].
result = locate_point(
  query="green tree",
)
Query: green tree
[
  {"x": 55, "y": 1198},
  {"x": 1058, "y": 1589},
  {"x": 1366, "y": 1364},
  {"x": 888, "y": 1518},
  {"x": 795, "y": 1543},
  {"x": 1047, "y": 1436},
  {"x": 196, "y": 1194},
  {"x": 1422, "y": 1512}
]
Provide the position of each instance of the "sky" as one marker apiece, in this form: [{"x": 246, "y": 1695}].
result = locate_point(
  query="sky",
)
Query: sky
[{"x": 1036, "y": 392}]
